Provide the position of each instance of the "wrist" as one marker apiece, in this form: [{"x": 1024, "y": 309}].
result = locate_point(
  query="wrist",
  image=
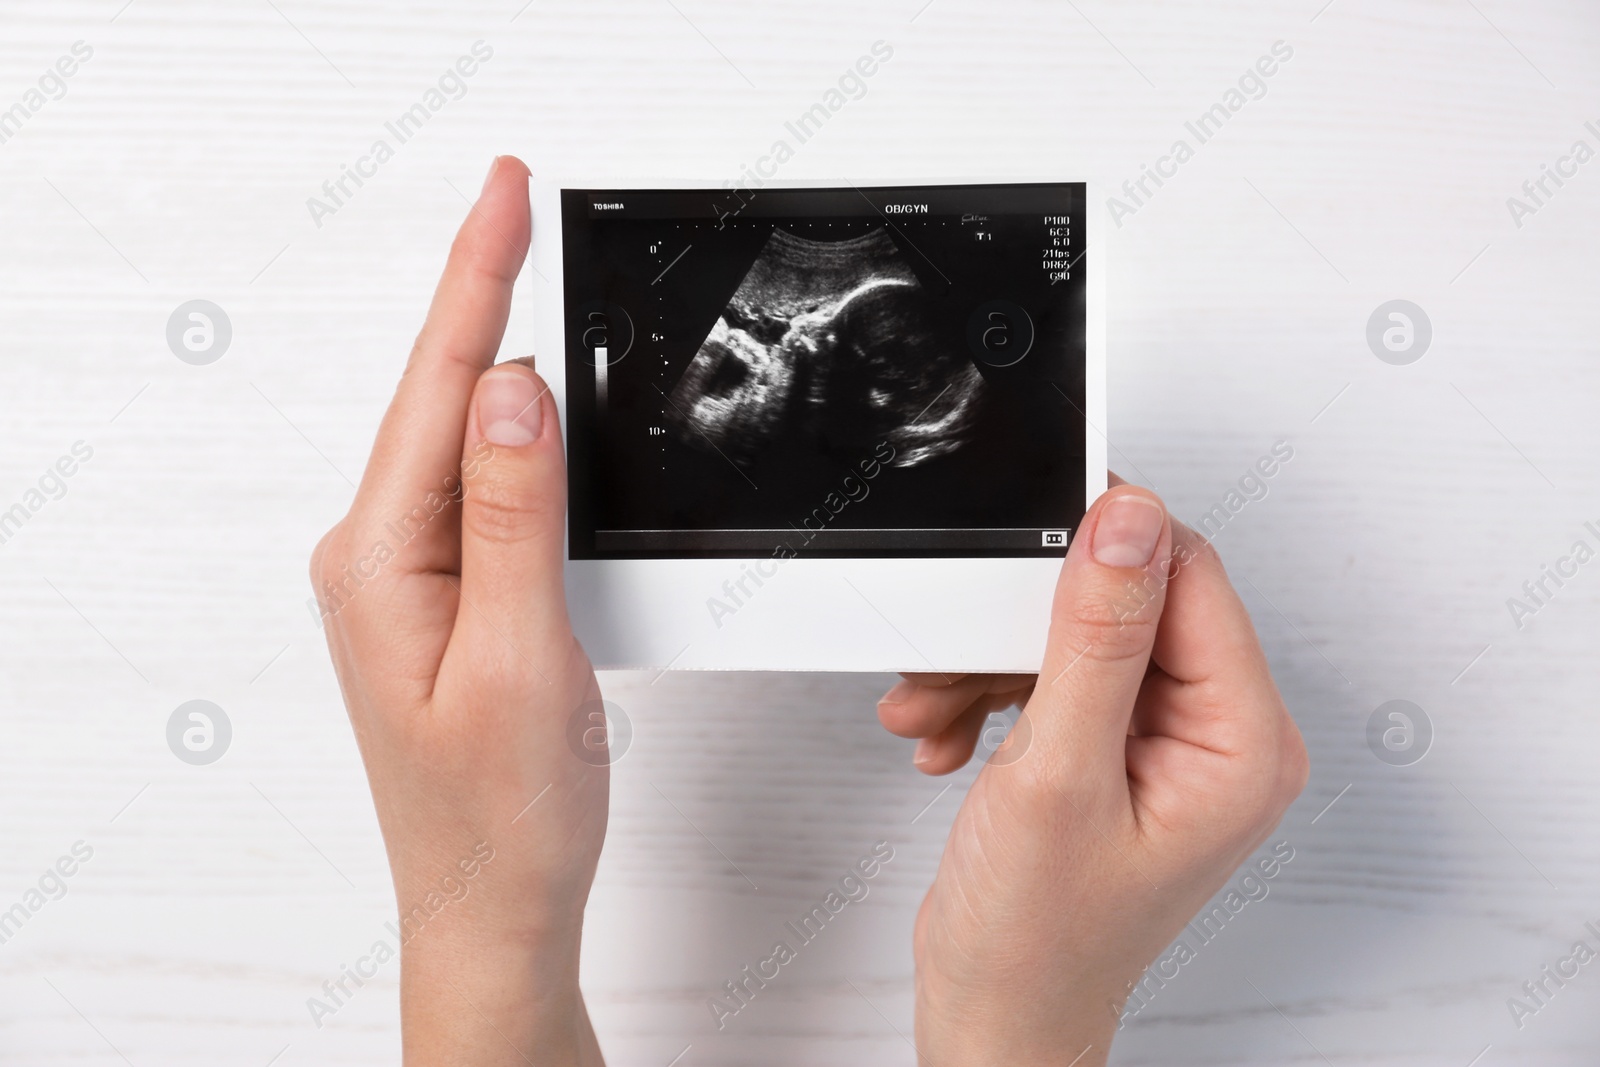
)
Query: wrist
[
  {"x": 465, "y": 1002},
  {"x": 995, "y": 1021},
  {"x": 1010, "y": 1038}
]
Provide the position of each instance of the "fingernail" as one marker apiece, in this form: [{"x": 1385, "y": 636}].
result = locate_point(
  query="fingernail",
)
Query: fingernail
[
  {"x": 1127, "y": 531},
  {"x": 509, "y": 411},
  {"x": 898, "y": 694},
  {"x": 494, "y": 165},
  {"x": 926, "y": 750}
]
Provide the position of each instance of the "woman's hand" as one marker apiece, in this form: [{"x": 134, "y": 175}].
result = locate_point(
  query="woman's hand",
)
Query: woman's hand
[
  {"x": 1152, "y": 757},
  {"x": 442, "y": 596}
]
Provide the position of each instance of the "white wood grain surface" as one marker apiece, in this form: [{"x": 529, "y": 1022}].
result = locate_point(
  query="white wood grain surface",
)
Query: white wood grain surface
[{"x": 1419, "y": 499}]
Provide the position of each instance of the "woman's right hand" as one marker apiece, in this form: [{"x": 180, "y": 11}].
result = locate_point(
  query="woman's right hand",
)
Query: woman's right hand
[{"x": 1153, "y": 755}]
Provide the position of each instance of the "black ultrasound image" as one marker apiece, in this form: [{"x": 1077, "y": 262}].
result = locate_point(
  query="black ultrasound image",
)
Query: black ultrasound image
[
  {"x": 824, "y": 372},
  {"x": 828, "y": 341}
]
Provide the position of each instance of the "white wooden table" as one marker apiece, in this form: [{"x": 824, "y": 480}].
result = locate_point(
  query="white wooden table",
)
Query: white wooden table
[{"x": 1376, "y": 166}]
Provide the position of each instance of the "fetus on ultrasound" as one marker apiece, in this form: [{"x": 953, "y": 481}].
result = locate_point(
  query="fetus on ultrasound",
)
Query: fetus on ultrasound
[{"x": 828, "y": 344}]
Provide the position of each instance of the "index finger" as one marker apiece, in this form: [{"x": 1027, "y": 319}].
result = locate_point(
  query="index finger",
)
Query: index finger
[
  {"x": 1205, "y": 632},
  {"x": 418, "y": 448}
]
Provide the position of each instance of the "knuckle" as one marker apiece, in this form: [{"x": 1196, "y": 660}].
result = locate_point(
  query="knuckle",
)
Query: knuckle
[
  {"x": 1270, "y": 791},
  {"x": 1264, "y": 803},
  {"x": 1205, "y": 552},
  {"x": 1114, "y": 627},
  {"x": 1294, "y": 765},
  {"x": 1191, "y": 549},
  {"x": 325, "y": 556},
  {"x": 504, "y": 510}
]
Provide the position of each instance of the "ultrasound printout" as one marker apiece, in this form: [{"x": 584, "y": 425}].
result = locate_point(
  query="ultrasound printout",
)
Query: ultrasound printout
[{"x": 875, "y": 372}]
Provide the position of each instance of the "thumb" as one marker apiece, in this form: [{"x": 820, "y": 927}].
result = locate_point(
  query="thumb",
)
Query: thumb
[
  {"x": 1108, "y": 602},
  {"x": 513, "y": 607}
]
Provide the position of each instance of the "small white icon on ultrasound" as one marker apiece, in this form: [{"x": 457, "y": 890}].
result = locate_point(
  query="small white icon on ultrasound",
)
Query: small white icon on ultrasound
[{"x": 1054, "y": 538}]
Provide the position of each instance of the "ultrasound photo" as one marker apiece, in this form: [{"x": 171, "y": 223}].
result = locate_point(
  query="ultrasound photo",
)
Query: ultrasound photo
[
  {"x": 824, "y": 372},
  {"x": 828, "y": 340}
]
